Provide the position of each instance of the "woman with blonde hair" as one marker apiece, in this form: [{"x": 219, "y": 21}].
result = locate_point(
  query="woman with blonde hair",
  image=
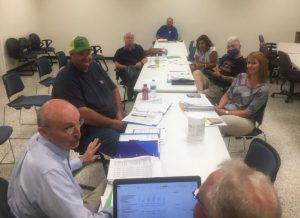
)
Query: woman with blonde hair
[{"x": 247, "y": 95}]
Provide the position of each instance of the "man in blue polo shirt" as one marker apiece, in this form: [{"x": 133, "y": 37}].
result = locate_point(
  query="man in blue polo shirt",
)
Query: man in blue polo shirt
[
  {"x": 84, "y": 84},
  {"x": 167, "y": 31}
]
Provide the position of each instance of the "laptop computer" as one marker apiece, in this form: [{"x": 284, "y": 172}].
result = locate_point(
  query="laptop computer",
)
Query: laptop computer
[{"x": 155, "y": 197}]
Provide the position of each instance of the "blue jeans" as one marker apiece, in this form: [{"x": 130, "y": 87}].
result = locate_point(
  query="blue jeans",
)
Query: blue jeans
[{"x": 107, "y": 136}]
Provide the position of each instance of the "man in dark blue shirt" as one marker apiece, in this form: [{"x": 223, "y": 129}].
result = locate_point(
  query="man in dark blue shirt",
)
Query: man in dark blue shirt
[
  {"x": 84, "y": 84},
  {"x": 167, "y": 31},
  {"x": 129, "y": 61}
]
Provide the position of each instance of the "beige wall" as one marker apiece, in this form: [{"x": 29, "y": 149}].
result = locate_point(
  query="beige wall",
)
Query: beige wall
[
  {"x": 105, "y": 21},
  {"x": 19, "y": 18}
]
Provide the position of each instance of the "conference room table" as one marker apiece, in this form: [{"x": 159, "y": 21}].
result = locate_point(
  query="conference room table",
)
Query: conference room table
[
  {"x": 174, "y": 48},
  {"x": 179, "y": 155},
  {"x": 174, "y": 63},
  {"x": 293, "y": 50}
]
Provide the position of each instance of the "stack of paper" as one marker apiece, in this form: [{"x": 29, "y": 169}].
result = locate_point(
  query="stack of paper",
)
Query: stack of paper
[
  {"x": 148, "y": 106},
  {"x": 147, "y": 113},
  {"x": 138, "y": 167},
  {"x": 196, "y": 104}
]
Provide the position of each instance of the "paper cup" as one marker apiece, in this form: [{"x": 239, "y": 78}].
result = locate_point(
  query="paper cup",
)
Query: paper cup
[{"x": 196, "y": 127}]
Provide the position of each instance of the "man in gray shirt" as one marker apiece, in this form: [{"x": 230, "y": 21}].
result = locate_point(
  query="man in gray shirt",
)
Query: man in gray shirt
[{"x": 42, "y": 184}]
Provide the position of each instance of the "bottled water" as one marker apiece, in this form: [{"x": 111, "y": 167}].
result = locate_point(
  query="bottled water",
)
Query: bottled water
[{"x": 153, "y": 89}]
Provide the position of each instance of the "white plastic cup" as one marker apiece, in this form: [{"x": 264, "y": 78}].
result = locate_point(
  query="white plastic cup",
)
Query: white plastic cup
[{"x": 196, "y": 127}]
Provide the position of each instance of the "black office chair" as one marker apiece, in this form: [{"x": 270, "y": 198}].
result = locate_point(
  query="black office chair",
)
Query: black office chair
[
  {"x": 5, "y": 133},
  {"x": 264, "y": 158},
  {"x": 61, "y": 58},
  {"x": 287, "y": 73},
  {"x": 14, "y": 85},
  {"x": 272, "y": 47},
  {"x": 255, "y": 132},
  {"x": 4, "y": 208},
  {"x": 192, "y": 50},
  {"x": 21, "y": 53},
  {"x": 124, "y": 85},
  {"x": 45, "y": 69},
  {"x": 272, "y": 57},
  {"x": 98, "y": 57},
  {"x": 41, "y": 46}
]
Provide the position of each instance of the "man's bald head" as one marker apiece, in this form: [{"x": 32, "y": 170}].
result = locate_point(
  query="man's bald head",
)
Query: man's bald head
[
  {"x": 129, "y": 39},
  {"x": 54, "y": 110}
]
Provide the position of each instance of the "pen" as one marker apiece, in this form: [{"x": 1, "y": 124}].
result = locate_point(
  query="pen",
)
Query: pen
[{"x": 139, "y": 115}]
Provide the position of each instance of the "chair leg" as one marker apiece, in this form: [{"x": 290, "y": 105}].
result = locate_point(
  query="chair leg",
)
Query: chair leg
[
  {"x": 13, "y": 154},
  {"x": 291, "y": 93}
]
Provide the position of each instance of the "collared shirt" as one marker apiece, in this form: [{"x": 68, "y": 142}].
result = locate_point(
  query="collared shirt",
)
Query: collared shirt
[
  {"x": 42, "y": 184},
  {"x": 165, "y": 32}
]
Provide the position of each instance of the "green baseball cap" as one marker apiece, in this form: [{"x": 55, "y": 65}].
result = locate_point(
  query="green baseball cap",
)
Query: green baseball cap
[{"x": 79, "y": 44}]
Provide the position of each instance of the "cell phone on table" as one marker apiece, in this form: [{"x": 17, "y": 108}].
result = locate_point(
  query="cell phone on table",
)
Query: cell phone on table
[{"x": 193, "y": 95}]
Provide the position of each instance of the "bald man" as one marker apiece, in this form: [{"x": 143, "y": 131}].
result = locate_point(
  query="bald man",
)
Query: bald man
[
  {"x": 129, "y": 61},
  {"x": 42, "y": 184},
  {"x": 236, "y": 191},
  {"x": 167, "y": 31}
]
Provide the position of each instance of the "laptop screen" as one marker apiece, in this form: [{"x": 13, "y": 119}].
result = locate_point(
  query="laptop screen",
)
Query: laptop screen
[{"x": 155, "y": 197}]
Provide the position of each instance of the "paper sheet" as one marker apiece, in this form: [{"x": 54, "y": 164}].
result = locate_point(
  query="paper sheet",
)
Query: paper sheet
[{"x": 138, "y": 167}]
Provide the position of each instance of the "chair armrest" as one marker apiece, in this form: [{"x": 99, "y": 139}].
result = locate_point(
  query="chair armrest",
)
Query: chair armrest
[{"x": 48, "y": 42}]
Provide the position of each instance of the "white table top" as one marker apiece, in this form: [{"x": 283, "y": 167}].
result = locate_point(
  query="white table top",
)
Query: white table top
[
  {"x": 160, "y": 75},
  {"x": 293, "y": 50},
  {"x": 181, "y": 156},
  {"x": 174, "y": 48},
  {"x": 289, "y": 47}
]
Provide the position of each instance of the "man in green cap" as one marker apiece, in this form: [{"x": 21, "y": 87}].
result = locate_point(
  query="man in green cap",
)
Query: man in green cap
[{"x": 85, "y": 84}]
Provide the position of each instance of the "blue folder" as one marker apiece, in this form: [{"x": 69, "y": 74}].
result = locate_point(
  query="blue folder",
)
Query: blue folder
[{"x": 134, "y": 148}]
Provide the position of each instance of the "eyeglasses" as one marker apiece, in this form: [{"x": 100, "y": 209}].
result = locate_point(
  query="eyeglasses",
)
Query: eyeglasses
[
  {"x": 196, "y": 196},
  {"x": 70, "y": 129}
]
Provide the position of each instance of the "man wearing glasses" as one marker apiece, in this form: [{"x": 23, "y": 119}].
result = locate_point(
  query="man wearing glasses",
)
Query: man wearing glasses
[
  {"x": 85, "y": 84},
  {"x": 236, "y": 191},
  {"x": 42, "y": 184}
]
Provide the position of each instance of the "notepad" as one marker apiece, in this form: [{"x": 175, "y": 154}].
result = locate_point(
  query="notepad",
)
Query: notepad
[{"x": 144, "y": 118}]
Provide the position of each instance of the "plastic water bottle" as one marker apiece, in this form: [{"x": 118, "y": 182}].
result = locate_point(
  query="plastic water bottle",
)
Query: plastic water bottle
[
  {"x": 157, "y": 60},
  {"x": 164, "y": 54},
  {"x": 153, "y": 89},
  {"x": 145, "y": 92}
]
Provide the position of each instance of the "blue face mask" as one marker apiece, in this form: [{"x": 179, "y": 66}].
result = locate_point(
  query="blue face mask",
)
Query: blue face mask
[{"x": 232, "y": 52}]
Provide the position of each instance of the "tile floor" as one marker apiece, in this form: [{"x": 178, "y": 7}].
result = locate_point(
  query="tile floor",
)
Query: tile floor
[{"x": 281, "y": 125}]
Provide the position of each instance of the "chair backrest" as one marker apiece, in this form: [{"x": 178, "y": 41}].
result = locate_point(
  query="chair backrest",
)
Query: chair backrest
[
  {"x": 261, "y": 39},
  {"x": 62, "y": 59},
  {"x": 4, "y": 208},
  {"x": 13, "y": 48},
  {"x": 24, "y": 44},
  {"x": 264, "y": 49},
  {"x": 95, "y": 49},
  {"x": 35, "y": 41},
  {"x": 44, "y": 66},
  {"x": 285, "y": 64},
  {"x": 192, "y": 50},
  {"x": 263, "y": 157},
  {"x": 259, "y": 115},
  {"x": 13, "y": 83}
]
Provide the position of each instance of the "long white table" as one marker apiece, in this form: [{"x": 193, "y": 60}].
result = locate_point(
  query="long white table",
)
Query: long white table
[
  {"x": 289, "y": 47},
  {"x": 174, "y": 48},
  {"x": 160, "y": 75},
  {"x": 181, "y": 156},
  {"x": 293, "y": 50}
]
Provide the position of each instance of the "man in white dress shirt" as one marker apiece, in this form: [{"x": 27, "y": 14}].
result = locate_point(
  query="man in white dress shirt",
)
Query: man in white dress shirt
[{"x": 42, "y": 184}]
